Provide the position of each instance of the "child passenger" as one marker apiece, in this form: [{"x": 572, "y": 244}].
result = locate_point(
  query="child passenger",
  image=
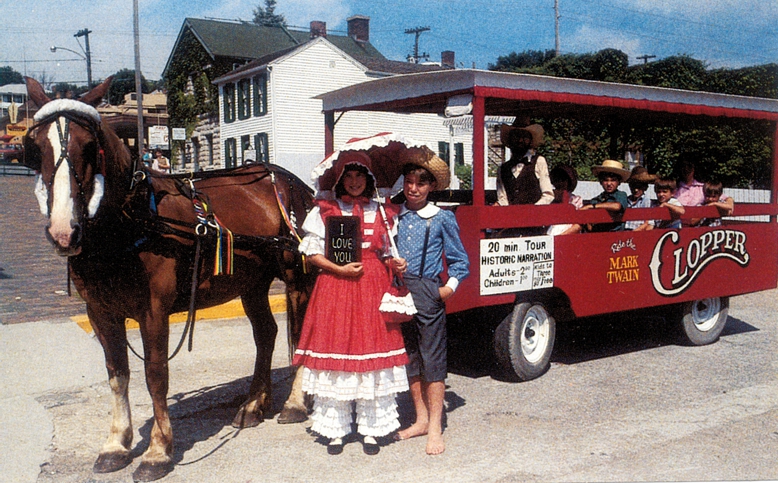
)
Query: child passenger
[
  {"x": 638, "y": 185},
  {"x": 565, "y": 179},
  {"x": 348, "y": 352},
  {"x": 714, "y": 196},
  {"x": 610, "y": 174},
  {"x": 425, "y": 235},
  {"x": 664, "y": 188}
]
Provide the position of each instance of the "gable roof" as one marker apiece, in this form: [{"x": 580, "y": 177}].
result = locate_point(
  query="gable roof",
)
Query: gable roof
[
  {"x": 380, "y": 66},
  {"x": 247, "y": 40}
]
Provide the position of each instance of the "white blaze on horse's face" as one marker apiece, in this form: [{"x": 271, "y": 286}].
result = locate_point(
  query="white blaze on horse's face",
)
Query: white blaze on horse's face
[{"x": 62, "y": 218}]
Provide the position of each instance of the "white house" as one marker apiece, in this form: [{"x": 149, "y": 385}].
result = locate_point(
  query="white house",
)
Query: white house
[{"x": 268, "y": 110}]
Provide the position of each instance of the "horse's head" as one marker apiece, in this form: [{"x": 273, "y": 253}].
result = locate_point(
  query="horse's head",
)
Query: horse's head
[{"x": 65, "y": 148}]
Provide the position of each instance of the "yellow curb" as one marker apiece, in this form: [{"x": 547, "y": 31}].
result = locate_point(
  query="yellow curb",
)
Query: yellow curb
[{"x": 230, "y": 310}]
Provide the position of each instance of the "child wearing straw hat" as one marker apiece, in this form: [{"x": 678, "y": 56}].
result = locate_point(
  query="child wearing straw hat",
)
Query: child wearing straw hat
[
  {"x": 638, "y": 183},
  {"x": 426, "y": 235},
  {"x": 610, "y": 174}
]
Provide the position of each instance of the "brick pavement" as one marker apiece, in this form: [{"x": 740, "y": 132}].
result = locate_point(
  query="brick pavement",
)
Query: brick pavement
[{"x": 33, "y": 279}]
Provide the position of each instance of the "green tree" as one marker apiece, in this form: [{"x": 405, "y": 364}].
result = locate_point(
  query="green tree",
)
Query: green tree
[
  {"x": 10, "y": 76},
  {"x": 123, "y": 83},
  {"x": 67, "y": 91},
  {"x": 518, "y": 62},
  {"x": 267, "y": 16}
]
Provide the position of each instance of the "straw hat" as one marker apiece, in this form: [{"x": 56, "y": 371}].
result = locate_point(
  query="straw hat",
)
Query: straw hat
[
  {"x": 432, "y": 163},
  {"x": 535, "y": 130},
  {"x": 640, "y": 175},
  {"x": 611, "y": 166}
]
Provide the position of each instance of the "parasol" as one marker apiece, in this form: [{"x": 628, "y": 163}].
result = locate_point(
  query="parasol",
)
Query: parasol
[{"x": 388, "y": 152}]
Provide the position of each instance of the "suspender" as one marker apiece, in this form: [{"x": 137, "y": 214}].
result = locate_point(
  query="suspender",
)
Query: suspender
[{"x": 424, "y": 250}]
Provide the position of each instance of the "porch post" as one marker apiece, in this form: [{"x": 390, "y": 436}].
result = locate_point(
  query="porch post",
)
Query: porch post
[
  {"x": 478, "y": 151},
  {"x": 329, "y": 133}
]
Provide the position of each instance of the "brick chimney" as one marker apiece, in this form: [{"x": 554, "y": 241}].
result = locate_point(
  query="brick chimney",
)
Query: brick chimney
[
  {"x": 447, "y": 59},
  {"x": 318, "y": 29},
  {"x": 359, "y": 28}
]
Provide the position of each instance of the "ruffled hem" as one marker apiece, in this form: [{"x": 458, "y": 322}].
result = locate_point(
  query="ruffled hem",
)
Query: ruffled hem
[
  {"x": 349, "y": 386},
  {"x": 332, "y": 418},
  {"x": 399, "y": 304}
]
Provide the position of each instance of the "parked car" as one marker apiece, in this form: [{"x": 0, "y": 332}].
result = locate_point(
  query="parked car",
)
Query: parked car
[{"x": 11, "y": 153}]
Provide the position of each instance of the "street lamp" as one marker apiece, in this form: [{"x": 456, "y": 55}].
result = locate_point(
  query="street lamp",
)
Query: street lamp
[{"x": 86, "y": 55}]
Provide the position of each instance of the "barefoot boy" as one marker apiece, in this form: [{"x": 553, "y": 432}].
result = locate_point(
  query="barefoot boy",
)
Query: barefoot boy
[{"x": 425, "y": 234}]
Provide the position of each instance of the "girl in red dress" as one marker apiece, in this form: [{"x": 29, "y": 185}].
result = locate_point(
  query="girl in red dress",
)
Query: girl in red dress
[{"x": 348, "y": 351}]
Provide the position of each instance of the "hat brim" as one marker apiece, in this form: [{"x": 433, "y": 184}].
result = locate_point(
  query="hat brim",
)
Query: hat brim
[
  {"x": 432, "y": 163},
  {"x": 535, "y": 130},
  {"x": 621, "y": 173}
]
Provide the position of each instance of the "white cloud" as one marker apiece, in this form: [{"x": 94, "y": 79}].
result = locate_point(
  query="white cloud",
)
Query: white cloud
[{"x": 589, "y": 39}]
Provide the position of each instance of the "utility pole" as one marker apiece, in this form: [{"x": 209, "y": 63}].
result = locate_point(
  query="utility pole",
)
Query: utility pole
[
  {"x": 85, "y": 33},
  {"x": 645, "y": 58},
  {"x": 556, "y": 26},
  {"x": 417, "y": 31},
  {"x": 138, "y": 88}
]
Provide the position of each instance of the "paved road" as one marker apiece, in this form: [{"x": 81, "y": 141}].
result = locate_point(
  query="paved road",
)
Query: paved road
[{"x": 620, "y": 403}]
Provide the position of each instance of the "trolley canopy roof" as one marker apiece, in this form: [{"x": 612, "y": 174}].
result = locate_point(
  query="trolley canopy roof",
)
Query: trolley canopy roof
[{"x": 510, "y": 94}]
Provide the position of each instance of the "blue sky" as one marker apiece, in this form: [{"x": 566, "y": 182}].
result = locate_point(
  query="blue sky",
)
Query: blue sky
[{"x": 722, "y": 33}]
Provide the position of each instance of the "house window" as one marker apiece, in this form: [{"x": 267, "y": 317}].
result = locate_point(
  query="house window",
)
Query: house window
[
  {"x": 261, "y": 145},
  {"x": 229, "y": 153},
  {"x": 443, "y": 151},
  {"x": 244, "y": 99},
  {"x": 209, "y": 142},
  {"x": 459, "y": 154},
  {"x": 245, "y": 145},
  {"x": 260, "y": 94},
  {"x": 229, "y": 102}
]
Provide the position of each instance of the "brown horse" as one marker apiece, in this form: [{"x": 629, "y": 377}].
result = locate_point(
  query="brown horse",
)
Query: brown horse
[{"x": 132, "y": 245}]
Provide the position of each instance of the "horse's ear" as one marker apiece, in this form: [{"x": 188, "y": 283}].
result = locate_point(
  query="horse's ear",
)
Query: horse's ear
[
  {"x": 95, "y": 96},
  {"x": 35, "y": 91}
]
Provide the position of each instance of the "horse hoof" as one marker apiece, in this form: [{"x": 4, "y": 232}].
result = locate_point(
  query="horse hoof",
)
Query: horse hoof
[
  {"x": 292, "y": 415},
  {"x": 110, "y": 462},
  {"x": 246, "y": 419},
  {"x": 151, "y": 471}
]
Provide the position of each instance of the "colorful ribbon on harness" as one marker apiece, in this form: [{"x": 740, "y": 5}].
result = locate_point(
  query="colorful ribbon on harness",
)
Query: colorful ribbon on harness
[{"x": 225, "y": 241}]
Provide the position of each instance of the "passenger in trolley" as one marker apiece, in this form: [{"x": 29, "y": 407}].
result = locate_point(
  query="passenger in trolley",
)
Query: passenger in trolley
[{"x": 610, "y": 174}]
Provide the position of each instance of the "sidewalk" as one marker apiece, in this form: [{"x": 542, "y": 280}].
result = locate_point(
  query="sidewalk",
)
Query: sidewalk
[{"x": 39, "y": 359}]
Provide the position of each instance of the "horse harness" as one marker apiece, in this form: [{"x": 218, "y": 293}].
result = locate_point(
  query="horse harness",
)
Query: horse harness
[
  {"x": 206, "y": 226},
  {"x": 64, "y": 155}
]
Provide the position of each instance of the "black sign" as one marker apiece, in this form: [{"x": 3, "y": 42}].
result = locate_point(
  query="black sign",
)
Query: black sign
[{"x": 344, "y": 239}]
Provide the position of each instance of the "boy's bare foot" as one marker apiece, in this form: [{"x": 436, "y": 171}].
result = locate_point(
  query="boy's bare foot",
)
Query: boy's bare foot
[
  {"x": 416, "y": 429},
  {"x": 435, "y": 444}
]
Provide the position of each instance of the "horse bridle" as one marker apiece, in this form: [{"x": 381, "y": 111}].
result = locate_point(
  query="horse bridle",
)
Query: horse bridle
[{"x": 64, "y": 157}]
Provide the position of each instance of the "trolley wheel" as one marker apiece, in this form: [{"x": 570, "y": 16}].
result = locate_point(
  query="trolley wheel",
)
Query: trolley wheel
[
  {"x": 524, "y": 340},
  {"x": 701, "y": 321}
]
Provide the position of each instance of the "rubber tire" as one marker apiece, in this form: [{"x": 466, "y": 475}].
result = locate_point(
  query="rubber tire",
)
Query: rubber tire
[
  {"x": 701, "y": 321},
  {"x": 531, "y": 359}
]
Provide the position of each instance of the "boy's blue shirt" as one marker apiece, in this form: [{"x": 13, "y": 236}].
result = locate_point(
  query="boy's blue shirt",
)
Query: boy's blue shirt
[{"x": 444, "y": 239}]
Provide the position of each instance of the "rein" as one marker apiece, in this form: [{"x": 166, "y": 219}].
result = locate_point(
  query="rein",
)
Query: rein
[{"x": 207, "y": 224}]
